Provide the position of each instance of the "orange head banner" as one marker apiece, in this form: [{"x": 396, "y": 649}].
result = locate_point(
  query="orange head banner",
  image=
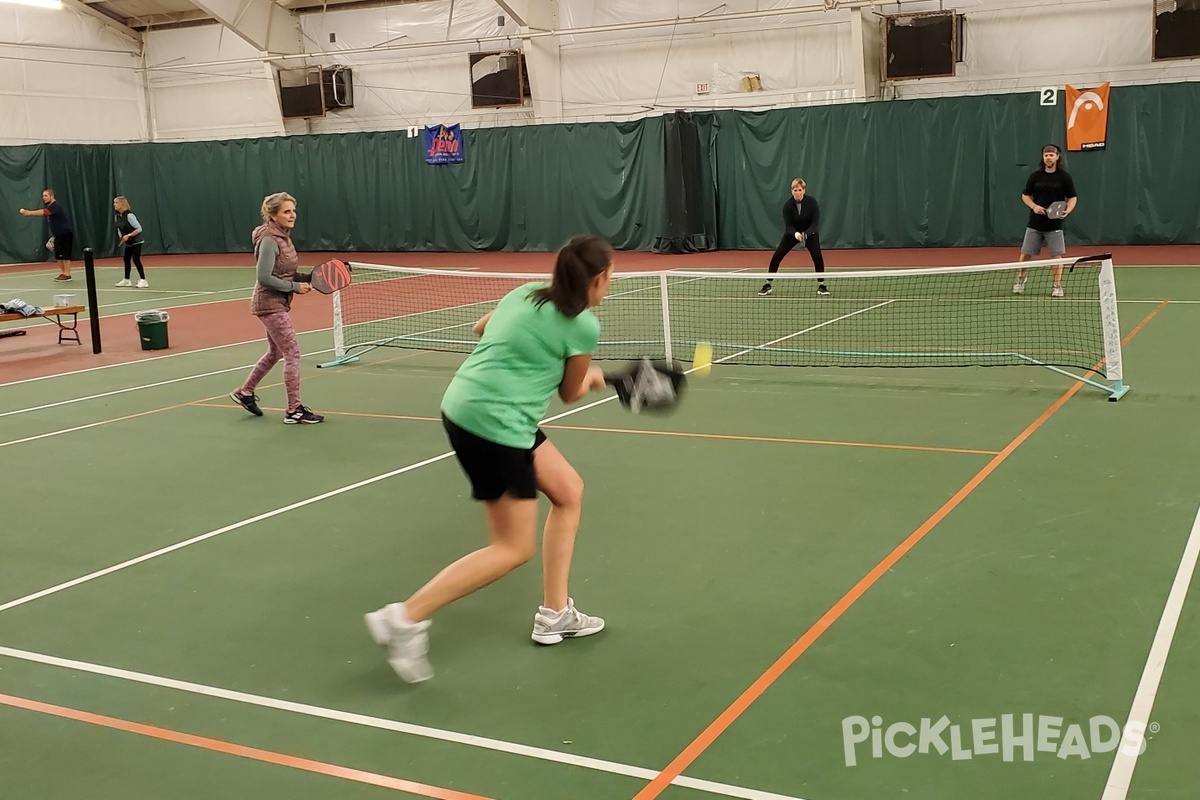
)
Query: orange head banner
[{"x": 1087, "y": 117}]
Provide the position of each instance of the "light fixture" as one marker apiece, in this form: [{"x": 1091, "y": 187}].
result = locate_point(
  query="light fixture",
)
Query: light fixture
[{"x": 54, "y": 4}]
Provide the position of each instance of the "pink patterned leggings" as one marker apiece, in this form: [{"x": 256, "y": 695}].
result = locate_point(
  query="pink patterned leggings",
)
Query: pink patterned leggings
[{"x": 281, "y": 344}]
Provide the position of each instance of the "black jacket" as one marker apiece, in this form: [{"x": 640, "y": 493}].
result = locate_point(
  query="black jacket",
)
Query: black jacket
[{"x": 806, "y": 220}]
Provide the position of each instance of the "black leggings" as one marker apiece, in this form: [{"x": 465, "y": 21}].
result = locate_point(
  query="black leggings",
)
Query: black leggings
[
  {"x": 133, "y": 252},
  {"x": 812, "y": 243}
]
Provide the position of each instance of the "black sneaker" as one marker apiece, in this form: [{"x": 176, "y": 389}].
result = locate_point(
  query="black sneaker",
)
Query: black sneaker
[
  {"x": 765, "y": 290},
  {"x": 302, "y": 414},
  {"x": 247, "y": 401},
  {"x": 822, "y": 289}
]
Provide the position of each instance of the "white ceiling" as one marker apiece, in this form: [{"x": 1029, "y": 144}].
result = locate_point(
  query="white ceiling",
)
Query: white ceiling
[{"x": 146, "y": 14}]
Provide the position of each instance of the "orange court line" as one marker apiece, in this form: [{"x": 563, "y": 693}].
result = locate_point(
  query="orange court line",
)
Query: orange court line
[
  {"x": 201, "y": 402},
  {"x": 686, "y": 434},
  {"x": 778, "y": 439},
  {"x": 727, "y": 717},
  {"x": 228, "y": 748},
  {"x": 327, "y": 413}
]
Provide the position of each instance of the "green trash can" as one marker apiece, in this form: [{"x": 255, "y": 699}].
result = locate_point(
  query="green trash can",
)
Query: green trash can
[{"x": 152, "y": 329}]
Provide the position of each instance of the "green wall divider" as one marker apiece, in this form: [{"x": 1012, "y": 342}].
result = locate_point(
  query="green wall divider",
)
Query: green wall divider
[
  {"x": 22, "y": 178},
  {"x": 520, "y": 188},
  {"x": 916, "y": 173},
  {"x": 949, "y": 172}
]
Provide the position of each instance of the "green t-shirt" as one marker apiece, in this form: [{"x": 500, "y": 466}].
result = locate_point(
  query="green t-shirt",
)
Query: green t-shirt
[{"x": 504, "y": 387}]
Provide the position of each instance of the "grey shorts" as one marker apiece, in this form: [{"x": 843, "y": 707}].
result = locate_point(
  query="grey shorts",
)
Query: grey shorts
[{"x": 1036, "y": 240}]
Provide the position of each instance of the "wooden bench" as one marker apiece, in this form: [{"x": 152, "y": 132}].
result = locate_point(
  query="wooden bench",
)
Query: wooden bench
[{"x": 67, "y": 331}]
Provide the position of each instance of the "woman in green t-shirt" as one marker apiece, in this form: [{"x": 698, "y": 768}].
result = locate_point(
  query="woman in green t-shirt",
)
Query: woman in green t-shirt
[{"x": 537, "y": 341}]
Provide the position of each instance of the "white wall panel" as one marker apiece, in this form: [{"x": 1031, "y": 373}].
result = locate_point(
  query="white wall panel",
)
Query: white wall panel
[
  {"x": 193, "y": 98},
  {"x": 67, "y": 77},
  {"x": 796, "y": 65},
  {"x": 1022, "y": 45}
]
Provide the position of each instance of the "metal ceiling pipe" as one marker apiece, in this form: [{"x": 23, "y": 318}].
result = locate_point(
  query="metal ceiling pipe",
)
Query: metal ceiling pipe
[{"x": 701, "y": 19}]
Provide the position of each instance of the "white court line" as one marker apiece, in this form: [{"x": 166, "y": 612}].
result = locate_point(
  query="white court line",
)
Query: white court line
[
  {"x": 1143, "y": 700},
  {"x": 243, "y": 523},
  {"x": 380, "y": 723},
  {"x": 160, "y": 383},
  {"x": 645, "y": 774},
  {"x": 343, "y": 489},
  {"x": 806, "y": 330},
  {"x": 146, "y": 298},
  {"x": 142, "y": 386},
  {"x": 214, "y": 533},
  {"x": 333, "y": 493},
  {"x": 157, "y": 358},
  {"x": 1033, "y": 302},
  {"x": 143, "y": 294},
  {"x": 170, "y": 355}
]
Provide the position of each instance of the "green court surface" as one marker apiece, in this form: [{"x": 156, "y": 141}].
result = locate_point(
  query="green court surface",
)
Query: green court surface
[{"x": 792, "y": 560}]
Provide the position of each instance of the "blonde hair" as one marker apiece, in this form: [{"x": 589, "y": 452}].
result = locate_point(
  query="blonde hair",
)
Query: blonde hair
[
  {"x": 798, "y": 182},
  {"x": 122, "y": 203},
  {"x": 273, "y": 202}
]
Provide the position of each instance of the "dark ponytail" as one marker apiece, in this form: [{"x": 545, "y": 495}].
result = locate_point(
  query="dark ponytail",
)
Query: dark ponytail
[{"x": 580, "y": 261}]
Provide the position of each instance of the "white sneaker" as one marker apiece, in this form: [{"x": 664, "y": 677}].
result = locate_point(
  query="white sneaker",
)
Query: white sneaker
[
  {"x": 551, "y": 627},
  {"x": 142, "y": 284},
  {"x": 124, "y": 282},
  {"x": 407, "y": 642},
  {"x": 1019, "y": 286},
  {"x": 1056, "y": 292}
]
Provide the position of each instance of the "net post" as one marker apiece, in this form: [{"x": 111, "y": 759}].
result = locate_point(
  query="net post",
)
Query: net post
[
  {"x": 339, "y": 336},
  {"x": 89, "y": 277},
  {"x": 1113, "y": 366},
  {"x": 339, "y": 332},
  {"x": 666, "y": 318}
]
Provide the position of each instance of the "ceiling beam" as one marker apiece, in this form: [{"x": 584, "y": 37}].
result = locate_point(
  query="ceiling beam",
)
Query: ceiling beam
[
  {"x": 115, "y": 24},
  {"x": 261, "y": 23},
  {"x": 518, "y": 10},
  {"x": 173, "y": 19}
]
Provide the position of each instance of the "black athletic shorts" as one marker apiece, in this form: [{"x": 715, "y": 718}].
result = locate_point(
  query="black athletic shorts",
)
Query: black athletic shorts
[
  {"x": 64, "y": 246},
  {"x": 494, "y": 469}
]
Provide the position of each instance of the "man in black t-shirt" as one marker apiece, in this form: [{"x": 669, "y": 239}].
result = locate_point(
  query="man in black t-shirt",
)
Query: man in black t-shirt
[
  {"x": 1049, "y": 184},
  {"x": 60, "y": 230}
]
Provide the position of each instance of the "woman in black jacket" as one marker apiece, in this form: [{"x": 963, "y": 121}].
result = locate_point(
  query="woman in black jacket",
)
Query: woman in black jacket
[{"x": 802, "y": 223}]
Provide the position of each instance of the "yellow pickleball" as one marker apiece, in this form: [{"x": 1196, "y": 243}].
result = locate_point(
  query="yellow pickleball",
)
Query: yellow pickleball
[{"x": 702, "y": 359}]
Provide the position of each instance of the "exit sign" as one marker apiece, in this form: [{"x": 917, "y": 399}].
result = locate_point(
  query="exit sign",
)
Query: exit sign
[{"x": 702, "y": 88}]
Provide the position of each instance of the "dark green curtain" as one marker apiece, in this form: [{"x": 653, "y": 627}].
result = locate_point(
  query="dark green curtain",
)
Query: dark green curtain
[
  {"x": 521, "y": 188},
  {"x": 917, "y": 173},
  {"x": 689, "y": 199},
  {"x": 949, "y": 172},
  {"x": 22, "y": 178}
]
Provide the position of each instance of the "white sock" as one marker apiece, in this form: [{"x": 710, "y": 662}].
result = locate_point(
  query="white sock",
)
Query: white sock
[
  {"x": 550, "y": 612},
  {"x": 398, "y": 616}
]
